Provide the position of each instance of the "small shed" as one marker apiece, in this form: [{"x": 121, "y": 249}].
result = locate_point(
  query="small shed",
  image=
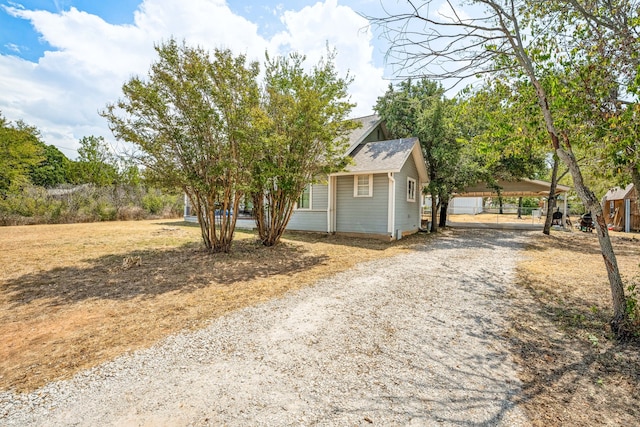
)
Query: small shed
[{"x": 621, "y": 209}]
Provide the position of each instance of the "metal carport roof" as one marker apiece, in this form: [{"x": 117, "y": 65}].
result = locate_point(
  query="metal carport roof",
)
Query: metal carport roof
[{"x": 523, "y": 187}]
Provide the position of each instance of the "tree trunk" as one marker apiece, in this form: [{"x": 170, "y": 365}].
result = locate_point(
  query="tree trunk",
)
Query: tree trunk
[
  {"x": 635, "y": 178},
  {"x": 619, "y": 322},
  {"x": 520, "y": 207},
  {"x": 444, "y": 205},
  {"x": 273, "y": 211},
  {"x": 434, "y": 213},
  {"x": 552, "y": 197}
]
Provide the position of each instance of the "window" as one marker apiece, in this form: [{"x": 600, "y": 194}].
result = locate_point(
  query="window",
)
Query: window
[
  {"x": 363, "y": 186},
  {"x": 411, "y": 190},
  {"x": 304, "y": 201}
]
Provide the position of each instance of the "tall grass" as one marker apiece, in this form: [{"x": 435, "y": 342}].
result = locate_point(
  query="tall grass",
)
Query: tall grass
[{"x": 87, "y": 203}]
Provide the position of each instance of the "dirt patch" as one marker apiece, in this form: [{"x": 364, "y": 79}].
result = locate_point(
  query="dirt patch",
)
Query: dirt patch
[
  {"x": 73, "y": 296},
  {"x": 574, "y": 373}
]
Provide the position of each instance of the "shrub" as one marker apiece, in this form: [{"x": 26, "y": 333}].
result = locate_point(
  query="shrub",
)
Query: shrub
[
  {"x": 153, "y": 202},
  {"x": 86, "y": 203},
  {"x": 131, "y": 213}
]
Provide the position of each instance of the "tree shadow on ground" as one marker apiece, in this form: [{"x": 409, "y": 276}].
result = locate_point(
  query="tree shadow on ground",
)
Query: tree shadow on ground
[
  {"x": 184, "y": 269},
  {"x": 467, "y": 238},
  {"x": 574, "y": 242},
  {"x": 370, "y": 243},
  {"x": 568, "y": 359},
  {"x": 456, "y": 374},
  {"x": 338, "y": 239}
]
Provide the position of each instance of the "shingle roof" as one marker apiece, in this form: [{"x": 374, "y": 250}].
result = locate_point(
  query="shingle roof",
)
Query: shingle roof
[
  {"x": 368, "y": 125},
  {"x": 618, "y": 193},
  {"x": 387, "y": 156}
]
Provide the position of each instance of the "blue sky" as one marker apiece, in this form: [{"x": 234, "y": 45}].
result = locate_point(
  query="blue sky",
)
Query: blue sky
[
  {"x": 18, "y": 37},
  {"x": 63, "y": 61}
]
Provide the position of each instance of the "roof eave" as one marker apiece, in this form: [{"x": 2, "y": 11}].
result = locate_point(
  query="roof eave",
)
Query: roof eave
[{"x": 364, "y": 172}]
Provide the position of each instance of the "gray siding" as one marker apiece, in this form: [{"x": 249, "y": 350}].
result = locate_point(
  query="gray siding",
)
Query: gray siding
[
  {"x": 375, "y": 135},
  {"x": 407, "y": 218},
  {"x": 314, "y": 219},
  {"x": 362, "y": 214},
  {"x": 320, "y": 196}
]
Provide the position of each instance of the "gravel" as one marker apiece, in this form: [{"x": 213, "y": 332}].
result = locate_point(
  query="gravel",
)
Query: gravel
[{"x": 410, "y": 340}]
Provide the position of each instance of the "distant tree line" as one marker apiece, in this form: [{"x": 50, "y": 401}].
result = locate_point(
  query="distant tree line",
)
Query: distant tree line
[{"x": 39, "y": 184}]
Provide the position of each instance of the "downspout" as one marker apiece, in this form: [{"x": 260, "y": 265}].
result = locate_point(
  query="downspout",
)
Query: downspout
[
  {"x": 419, "y": 198},
  {"x": 329, "y": 203},
  {"x": 391, "y": 214}
]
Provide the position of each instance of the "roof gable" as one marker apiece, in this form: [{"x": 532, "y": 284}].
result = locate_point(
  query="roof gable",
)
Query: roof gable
[
  {"x": 386, "y": 156},
  {"x": 618, "y": 193},
  {"x": 368, "y": 125}
]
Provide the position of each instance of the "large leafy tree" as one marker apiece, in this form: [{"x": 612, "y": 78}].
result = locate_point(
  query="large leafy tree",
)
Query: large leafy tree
[
  {"x": 96, "y": 163},
  {"x": 507, "y": 37},
  {"x": 192, "y": 122},
  {"x": 304, "y": 131},
  {"x": 602, "y": 65},
  {"x": 53, "y": 170},
  {"x": 418, "y": 108},
  {"x": 503, "y": 128},
  {"x": 20, "y": 151}
]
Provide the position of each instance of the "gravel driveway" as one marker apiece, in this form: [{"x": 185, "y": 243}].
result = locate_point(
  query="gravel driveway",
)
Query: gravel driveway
[{"x": 409, "y": 340}]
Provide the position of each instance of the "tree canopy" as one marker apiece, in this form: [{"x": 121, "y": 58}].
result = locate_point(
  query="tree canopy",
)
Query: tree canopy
[
  {"x": 419, "y": 108},
  {"x": 96, "y": 163},
  {"x": 303, "y": 137},
  {"x": 521, "y": 41},
  {"x": 193, "y": 121},
  {"x": 20, "y": 151},
  {"x": 53, "y": 170},
  {"x": 199, "y": 121}
]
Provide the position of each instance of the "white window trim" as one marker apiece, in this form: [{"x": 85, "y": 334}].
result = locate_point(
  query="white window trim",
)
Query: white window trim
[
  {"x": 355, "y": 186},
  {"x": 310, "y": 200},
  {"x": 409, "y": 195}
]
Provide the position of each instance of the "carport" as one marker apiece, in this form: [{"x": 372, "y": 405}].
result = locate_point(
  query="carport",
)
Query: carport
[{"x": 521, "y": 188}]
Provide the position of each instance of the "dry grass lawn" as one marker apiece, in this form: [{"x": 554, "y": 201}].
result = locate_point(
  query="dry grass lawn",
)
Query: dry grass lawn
[
  {"x": 67, "y": 301},
  {"x": 574, "y": 373}
]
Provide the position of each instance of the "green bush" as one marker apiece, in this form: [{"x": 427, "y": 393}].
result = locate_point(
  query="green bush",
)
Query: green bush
[
  {"x": 156, "y": 202},
  {"x": 153, "y": 203}
]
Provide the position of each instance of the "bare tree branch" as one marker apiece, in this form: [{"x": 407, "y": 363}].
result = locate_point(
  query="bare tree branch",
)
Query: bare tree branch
[{"x": 454, "y": 47}]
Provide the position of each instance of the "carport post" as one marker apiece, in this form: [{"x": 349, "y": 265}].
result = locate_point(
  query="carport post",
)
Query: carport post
[{"x": 564, "y": 207}]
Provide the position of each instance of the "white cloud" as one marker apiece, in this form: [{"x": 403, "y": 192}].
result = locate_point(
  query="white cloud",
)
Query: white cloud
[
  {"x": 311, "y": 29},
  {"x": 62, "y": 93},
  {"x": 14, "y": 47}
]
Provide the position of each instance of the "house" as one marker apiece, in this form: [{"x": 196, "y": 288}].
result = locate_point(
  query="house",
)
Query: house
[
  {"x": 377, "y": 195},
  {"x": 620, "y": 209}
]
